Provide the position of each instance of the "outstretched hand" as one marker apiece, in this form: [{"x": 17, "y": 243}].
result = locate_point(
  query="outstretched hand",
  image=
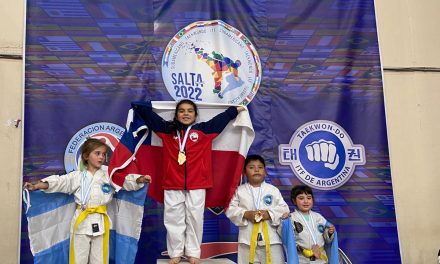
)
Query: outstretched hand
[
  {"x": 240, "y": 108},
  {"x": 32, "y": 187},
  {"x": 29, "y": 186}
]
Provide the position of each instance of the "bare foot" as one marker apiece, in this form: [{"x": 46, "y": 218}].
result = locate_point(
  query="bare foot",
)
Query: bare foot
[
  {"x": 193, "y": 260},
  {"x": 175, "y": 260}
]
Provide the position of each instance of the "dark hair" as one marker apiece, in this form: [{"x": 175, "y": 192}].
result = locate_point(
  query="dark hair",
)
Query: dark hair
[
  {"x": 250, "y": 158},
  {"x": 90, "y": 145},
  {"x": 185, "y": 101},
  {"x": 173, "y": 126},
  {"x": 300, "y": 189}
]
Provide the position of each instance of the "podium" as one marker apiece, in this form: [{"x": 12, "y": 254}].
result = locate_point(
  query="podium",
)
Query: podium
[{"x": 202, "y": 261}]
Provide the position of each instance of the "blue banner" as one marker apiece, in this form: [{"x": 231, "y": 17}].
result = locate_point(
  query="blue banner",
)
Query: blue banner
[{"x": 309, "y": 72}]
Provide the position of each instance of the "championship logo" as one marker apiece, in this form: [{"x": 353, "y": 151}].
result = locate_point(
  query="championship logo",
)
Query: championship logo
[
  {"x": 322, "y": 155},
  {"x": 211, "y": 61},
  {"x": 107, "y": 132}
]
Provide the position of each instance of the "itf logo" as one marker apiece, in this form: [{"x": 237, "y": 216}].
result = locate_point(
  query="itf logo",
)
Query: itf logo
[
  {"x": 106, "y": 132},
  {"x": 322, "y": 155},
  {"x": 211, "y": 61}
]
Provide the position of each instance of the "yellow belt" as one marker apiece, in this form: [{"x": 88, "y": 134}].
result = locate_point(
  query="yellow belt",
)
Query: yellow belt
[
  {"x": 254, "y": 237},
  {"x": 102, "y": 209},
  {"x": 309, "y": 253}
]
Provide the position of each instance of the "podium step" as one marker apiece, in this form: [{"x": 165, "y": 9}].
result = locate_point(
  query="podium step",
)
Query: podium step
[{"x": 203, "y": 261}]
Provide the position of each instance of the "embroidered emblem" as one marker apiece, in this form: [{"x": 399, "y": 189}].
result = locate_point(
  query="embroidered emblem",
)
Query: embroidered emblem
[
  {"x": 194, "y": 136},
  {"x": 106, "y": 188},
  {"x": 321, "y": 228},
  {"x": 268, "y": 199}
]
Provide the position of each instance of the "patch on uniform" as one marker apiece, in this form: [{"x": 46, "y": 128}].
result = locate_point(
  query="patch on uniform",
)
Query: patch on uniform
[
  {"x": 194, "y": 136},
  {"x": 321, "y": 228},
  {"x": 268, "y": 199},
  {"x": 95, "y": 228},
  {"x": 298, "y": 227},
  {"x": 106, "y": 188}
]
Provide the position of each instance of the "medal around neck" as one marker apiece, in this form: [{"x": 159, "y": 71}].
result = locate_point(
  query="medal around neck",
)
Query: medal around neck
[
  {"x": 258, "y": 217},
  {"x": 181, "y": 158}
]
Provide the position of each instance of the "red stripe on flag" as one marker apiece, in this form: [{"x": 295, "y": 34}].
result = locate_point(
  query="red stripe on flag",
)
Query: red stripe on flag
[
  {"x": 215, "y": 249},
  {"x": 227, "y": 167}
]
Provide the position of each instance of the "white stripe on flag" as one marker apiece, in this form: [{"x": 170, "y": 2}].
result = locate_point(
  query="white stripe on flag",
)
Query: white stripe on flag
[
  {"x": 126, "y": 217},
  {"x": 58, "y": 222}
]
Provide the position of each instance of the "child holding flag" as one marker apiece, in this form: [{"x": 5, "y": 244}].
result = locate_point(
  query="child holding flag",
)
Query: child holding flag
[
  {"x": 187, "y": 168},
  {"x": 307, "y": 235},
  {"x": 90, "y": 226}
]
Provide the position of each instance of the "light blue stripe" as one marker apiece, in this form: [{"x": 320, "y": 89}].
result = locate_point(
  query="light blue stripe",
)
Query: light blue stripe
[
  {"x": 125, "y": 253},
  {"x": 58, "y": 253},
  {"x": 134, "y": 197},
  {"x": 45, "y": 202},
  {"x": 126, "y": 248}
]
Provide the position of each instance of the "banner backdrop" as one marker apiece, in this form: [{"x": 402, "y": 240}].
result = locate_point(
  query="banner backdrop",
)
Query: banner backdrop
[{"x": 309, "y": 72}]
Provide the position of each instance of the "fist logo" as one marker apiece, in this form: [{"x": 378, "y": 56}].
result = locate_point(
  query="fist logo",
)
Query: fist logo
[
  {"x": 322, "y": 155},
  {"x": 323, "y": 151}
]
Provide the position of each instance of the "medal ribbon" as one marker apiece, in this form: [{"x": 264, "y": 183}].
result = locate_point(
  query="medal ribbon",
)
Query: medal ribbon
[
  {"x": 85, "y": 189},
  {"x": 182, "y": 144},
  {"x": 257, "y": 199},
  {"x": 256, "y": 229},
  {"x": 253, "y": 247},
  {"x": 102, "y": 209},
  {"x": 312, "y": 234}
]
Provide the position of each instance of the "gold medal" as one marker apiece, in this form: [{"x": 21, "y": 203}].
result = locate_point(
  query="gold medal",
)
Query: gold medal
[
  {"x": 258, "y": 217},
  {"x": 181, "y": 158}
]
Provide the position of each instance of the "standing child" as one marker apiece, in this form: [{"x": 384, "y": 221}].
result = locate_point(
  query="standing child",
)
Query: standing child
[
  {"x": 187, "y": 165},
  {"x": 257, "y": 208},
  {"x": 91, "y": 188},
  {"x": 310, "y": 230}
]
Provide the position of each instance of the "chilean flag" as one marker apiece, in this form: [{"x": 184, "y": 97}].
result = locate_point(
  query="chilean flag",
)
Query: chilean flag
[{"x": 140, "y": 151}]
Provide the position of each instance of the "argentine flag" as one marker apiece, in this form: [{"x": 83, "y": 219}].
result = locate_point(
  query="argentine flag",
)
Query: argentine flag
[{"x": 50, "y": 214}]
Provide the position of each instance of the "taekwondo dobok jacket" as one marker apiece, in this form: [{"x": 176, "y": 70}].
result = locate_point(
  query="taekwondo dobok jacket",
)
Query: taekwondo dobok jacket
[
  {"x": 100, "y": 193},
  {"x": 270, "y": 200},
  {"x": 294, "y": 234}
]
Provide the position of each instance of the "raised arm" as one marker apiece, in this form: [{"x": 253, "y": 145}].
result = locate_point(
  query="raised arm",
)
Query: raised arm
[
  {"x": 220, "y": 121},
  {"x": 151, "y": 118}
]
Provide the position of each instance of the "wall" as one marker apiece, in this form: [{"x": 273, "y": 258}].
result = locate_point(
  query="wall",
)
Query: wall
[
  {"x": 408, "y": 39},
  {"x": 11, "y": 87}
]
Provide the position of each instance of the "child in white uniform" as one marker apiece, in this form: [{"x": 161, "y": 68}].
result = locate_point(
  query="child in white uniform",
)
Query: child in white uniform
[
  {"x": 311, "y": 230},
  {"x": 256, "y": 208},
  {"x": 92, "y": 190}
]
